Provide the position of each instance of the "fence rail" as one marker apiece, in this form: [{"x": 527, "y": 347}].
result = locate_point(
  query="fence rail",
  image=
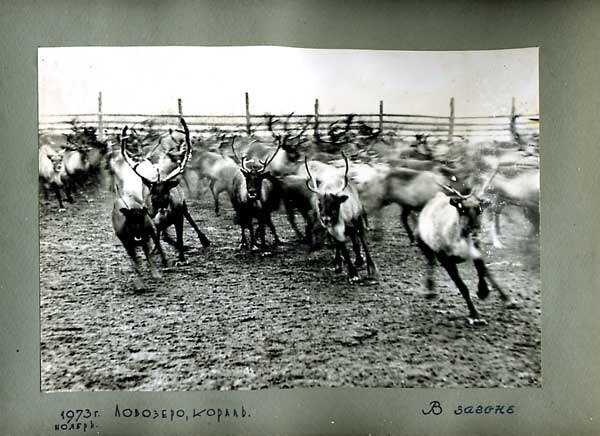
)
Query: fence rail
[{"x": 511, "y": 125}]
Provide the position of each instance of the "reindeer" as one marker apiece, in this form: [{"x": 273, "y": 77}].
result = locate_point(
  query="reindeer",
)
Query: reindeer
[
  {"x": 448, "y": 231},
  {"x": 52, "y": 174},
  {"x": 133, "y": 226},
  {"x": 286, "y": 160},
  {"x": 254, "y": 193},
  {"x": 340, "y": 212},
  {"x": 218, "y": 169},
  {"x": 297, "y": 197},
  {"x": 165, "y": 200}
]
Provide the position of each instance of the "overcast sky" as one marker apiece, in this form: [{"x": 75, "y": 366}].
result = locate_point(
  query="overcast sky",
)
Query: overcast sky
[{"x": 212, "y": 80}]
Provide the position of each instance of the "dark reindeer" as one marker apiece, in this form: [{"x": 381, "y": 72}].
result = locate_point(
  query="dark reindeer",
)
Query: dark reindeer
[
  {"x": 255, "y": 193},
  {"x": 165, "y": 199},
  {"x": 133, "y": 226}
]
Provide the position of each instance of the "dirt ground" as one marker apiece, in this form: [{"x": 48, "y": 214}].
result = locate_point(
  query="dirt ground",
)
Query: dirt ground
[{"x": 230, "y": 319}]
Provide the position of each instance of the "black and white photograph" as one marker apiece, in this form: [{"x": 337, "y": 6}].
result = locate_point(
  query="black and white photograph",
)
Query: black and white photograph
[{"x": 263, "y": 217}]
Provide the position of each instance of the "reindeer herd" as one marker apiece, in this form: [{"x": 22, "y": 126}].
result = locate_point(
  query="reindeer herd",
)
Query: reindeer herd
[{"x": 338, "y": 184}]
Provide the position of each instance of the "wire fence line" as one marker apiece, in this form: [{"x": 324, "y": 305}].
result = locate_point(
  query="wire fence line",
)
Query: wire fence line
[{"x": 317, "y": 124}]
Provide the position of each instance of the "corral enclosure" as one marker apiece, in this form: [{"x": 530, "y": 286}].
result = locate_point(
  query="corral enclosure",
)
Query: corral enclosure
[
  {"x": 239, "y": 318},
  {"x": 447, "y": 128}
]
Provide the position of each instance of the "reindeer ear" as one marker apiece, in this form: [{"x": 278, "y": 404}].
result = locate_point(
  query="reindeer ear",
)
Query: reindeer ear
[
  {"x": 124, "y": 211},
  {"x": 343, "y": 198},
  {"x": 146, "y": 183},
  {"x": 266, "y": 174}
]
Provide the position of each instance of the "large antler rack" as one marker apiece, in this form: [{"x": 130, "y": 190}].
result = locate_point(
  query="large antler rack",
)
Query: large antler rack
[
  {"x": 130, "y": 161},
  {"x": 186, "y": 157}
]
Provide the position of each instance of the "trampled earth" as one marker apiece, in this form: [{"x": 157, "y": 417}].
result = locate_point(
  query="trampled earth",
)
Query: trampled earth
[{"x": 231, "y": 319}]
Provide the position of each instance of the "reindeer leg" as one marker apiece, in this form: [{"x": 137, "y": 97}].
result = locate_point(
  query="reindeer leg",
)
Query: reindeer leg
[
  {"x": 244, "y": 241},
  {"x": 533, "y": 215},
  {"x": 272, "y": 228},
  {"x": 358, "y": 261},
  {"x": 211, "y": 186},
  {"x": 337, "y": 260},
  {"x": 289, "y": 210},
  {"x": 262, "y": 231},
  {"x": 430, "y": 256},
  {"x": 371, "y": 267},
  {"x": 483, "y": 273},
  {"x": 57, "y": 193},
  {"x": 153, "y": 271},
  {"x": 496, "y": 211},
  {"x": 352, "y": 272},
  {"x": 309, "y": 238},
  {"x": 250, "y": 226},
  {"x": 203, "y": 239},
  {"x": 137, "y": 281},
  {"x": 404, "y": 218},
  {"x": 157, "y": 247},
  {"x": 450, "y": 266},
  {"x": 179, "y": 235},
  {"x": 68, "y": 191}
]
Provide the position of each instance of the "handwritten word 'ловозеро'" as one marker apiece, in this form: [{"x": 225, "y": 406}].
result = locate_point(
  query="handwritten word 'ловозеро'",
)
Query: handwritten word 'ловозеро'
[
  {"x": 435, "y": 408},
  {"x": 173, "y": 415}
]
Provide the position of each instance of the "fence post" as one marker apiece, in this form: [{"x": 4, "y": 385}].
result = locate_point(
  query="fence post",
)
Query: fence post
[
  {"x": 380, "y": 117},
  {"x": 180, "y": 107},
  {"x": 451, "y": 121},
  {"x": 513, "y": 125},
  {"x": 248, "y": 124},
  {"x": 100, "y": 134},
  {"x": 316, "y": 129}
]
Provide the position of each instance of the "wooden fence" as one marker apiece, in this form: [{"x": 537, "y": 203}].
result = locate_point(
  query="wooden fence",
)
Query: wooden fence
[{"x": 513, "y": 125}]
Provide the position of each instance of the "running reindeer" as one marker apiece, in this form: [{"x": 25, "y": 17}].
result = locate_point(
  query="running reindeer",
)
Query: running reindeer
[
  {"x": 165, "y": 199},
  {"x": 341, "y": 213},
  {"x": 448, "y": 231}
]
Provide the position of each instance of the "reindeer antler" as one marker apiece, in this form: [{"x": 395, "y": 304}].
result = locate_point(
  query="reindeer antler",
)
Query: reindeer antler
[
  {"x": 128, "y": 159},
  {"x": 489, "y": 180},
  {"x": 186, "y": 157},
  {"x": 310, "y": 177},
  {"x": 346, "y": 173},
  {"x": 266, "y": 162}
]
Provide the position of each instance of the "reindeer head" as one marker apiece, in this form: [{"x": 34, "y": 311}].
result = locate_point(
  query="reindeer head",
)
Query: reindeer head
[
  {"x": 470, "y": 206},
  {"x": 289, "y": 143},
  {"x": 160, "y": 188},
  {"x": 57, "y": 160},
  {"x": 329, "y": 199},
  {"x": 255, "y": 174},
  {"x": 136, "y": 222}
]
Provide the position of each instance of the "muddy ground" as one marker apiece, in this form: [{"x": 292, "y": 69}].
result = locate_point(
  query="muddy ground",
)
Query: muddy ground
[{"x": 230, "y": 319}]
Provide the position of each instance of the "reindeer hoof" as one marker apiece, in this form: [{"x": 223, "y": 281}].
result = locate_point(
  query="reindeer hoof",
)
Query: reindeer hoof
[
  {"x": 266, "y": 253},
  {"x": 475, "y": 322},
  {"x": 62, "y": 209},
  {"x": 359, "y": 262},
  {"x": 353, "y": 279},
  {"x": 511, "y": 303},
  {"x": 429, "y": 294},
  {"x": 483, "y": 290},
  {"x": 498, "y": 244},
  {"x": 181, "y": 262},
  {"x": 155, "y": 274},
  {"x": 369, "y": 281}
]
